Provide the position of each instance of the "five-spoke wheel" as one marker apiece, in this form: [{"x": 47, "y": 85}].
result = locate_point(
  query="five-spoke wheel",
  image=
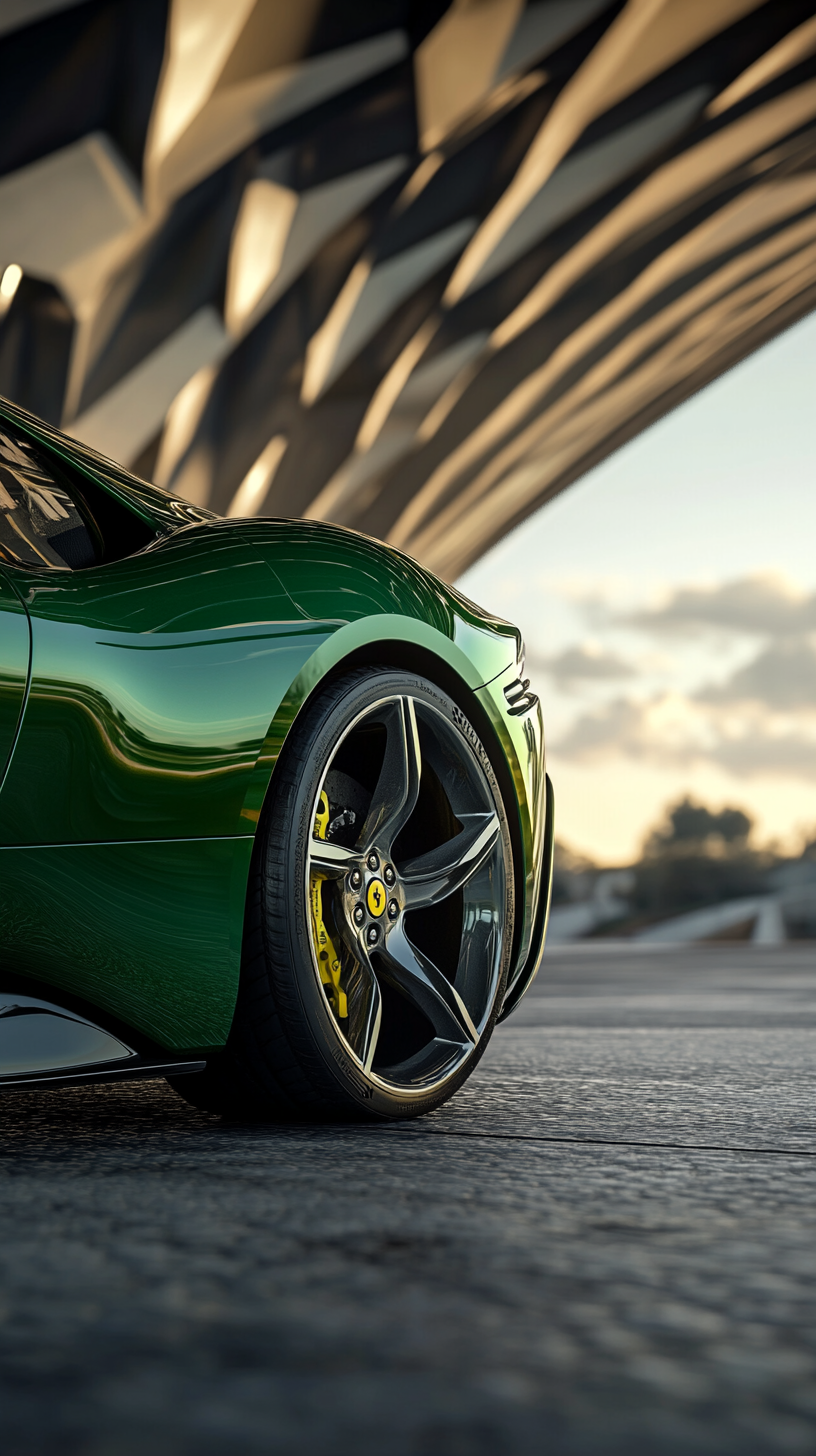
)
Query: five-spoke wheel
[{"x": 407, "y": 902}]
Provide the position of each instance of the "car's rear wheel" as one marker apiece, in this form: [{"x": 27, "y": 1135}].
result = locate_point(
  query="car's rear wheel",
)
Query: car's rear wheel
[{"x": 380, "y": 914}]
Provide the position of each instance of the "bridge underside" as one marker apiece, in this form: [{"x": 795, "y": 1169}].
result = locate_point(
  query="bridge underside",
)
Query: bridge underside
[{"x": 408, "y": 265}]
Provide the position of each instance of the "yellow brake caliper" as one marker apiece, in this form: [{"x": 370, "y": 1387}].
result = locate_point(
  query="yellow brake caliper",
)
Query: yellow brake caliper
[{"x": 328, "y": 956}]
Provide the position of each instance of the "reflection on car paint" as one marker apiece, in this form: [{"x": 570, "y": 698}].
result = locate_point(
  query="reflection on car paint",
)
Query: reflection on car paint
[{"x": 163, "y": 686}]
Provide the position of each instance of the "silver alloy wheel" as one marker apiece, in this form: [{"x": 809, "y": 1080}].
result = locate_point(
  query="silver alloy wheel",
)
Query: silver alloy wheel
[{"x": 408, "y": 907}]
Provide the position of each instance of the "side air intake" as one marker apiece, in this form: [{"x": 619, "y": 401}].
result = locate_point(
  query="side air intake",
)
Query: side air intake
[{"x": 519, "y": 698}]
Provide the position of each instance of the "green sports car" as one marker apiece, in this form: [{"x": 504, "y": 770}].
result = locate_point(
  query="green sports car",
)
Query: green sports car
[{"x": 274, "y": 816}]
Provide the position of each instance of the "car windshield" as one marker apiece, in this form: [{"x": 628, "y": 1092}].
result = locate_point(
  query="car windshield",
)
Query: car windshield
[{"x": 40, "y": 524}]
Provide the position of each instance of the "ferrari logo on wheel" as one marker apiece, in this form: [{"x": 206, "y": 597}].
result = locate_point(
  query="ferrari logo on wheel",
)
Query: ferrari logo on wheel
[{"x": 375, "y": 897}]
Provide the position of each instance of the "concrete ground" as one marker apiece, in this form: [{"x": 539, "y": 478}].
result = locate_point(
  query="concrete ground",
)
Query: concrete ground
[{"x": 605, "y": 1244}]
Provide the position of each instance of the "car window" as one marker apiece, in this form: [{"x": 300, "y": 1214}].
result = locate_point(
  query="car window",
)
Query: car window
[{"x": 40, "y": 522}]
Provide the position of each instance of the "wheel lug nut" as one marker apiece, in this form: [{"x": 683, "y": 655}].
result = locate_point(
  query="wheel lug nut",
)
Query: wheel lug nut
[
  {"x": 373, "y": 935},
  {"x": 373, "y": 862},
  {"x": 359, "y": 915},
  {"x": 393, "y": 909},
  {"x": 388, "y": 875},
  {"x": 356, "y": 879}
]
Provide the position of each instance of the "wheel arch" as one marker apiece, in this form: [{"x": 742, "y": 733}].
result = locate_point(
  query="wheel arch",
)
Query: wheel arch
[{"x": 426, "y": 652}]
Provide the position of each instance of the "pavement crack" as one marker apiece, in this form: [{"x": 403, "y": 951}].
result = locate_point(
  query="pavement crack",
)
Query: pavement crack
[{"x": 521, "y": 1137}]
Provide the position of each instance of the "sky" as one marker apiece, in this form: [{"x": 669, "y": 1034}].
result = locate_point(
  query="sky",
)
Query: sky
[{"x": 668, "y": 602}]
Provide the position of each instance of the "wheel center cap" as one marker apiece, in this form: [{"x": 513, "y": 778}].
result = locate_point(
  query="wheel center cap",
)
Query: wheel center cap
[{"x": 375, "y": 897}]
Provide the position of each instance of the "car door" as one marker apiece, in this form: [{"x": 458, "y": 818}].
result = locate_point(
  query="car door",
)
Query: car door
[{"x": 15, "y": 656}]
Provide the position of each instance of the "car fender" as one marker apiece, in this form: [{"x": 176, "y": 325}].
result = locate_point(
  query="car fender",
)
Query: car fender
[
  {"x": 342, "y": 646},
  {"x": 520, "y": 770}
]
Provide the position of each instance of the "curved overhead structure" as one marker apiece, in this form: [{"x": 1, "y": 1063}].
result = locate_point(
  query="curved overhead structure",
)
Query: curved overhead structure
[{"x": 411, "y": 266}]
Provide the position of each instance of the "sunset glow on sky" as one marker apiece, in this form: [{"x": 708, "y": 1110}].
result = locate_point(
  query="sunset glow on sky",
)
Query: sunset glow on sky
[{"x": 668, "y": 602}]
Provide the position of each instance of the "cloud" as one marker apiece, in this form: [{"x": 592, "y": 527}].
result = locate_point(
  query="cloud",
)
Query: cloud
[
  {"x": 672, "y": 731},
  {"x": 762, "y": 752},
  {"x": 667, "y": 728},
  {"x": 614, "y": 728},
  {"x": 583, "y": 664},
  {"x": 764, "y": 605},
  {"x": 758, "y": 719},
  {"x": 783, "y": 677}
]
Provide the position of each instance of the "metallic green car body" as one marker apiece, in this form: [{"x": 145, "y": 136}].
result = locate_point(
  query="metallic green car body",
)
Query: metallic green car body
[{"x": 146, "y": 720}]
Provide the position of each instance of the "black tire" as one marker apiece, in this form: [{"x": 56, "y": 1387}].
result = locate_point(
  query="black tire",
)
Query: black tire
[{"x": 340, "y": 1020}]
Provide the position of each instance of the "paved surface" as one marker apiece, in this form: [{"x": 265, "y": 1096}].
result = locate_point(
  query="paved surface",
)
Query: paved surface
[{"x": 606, "y": 1244}]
